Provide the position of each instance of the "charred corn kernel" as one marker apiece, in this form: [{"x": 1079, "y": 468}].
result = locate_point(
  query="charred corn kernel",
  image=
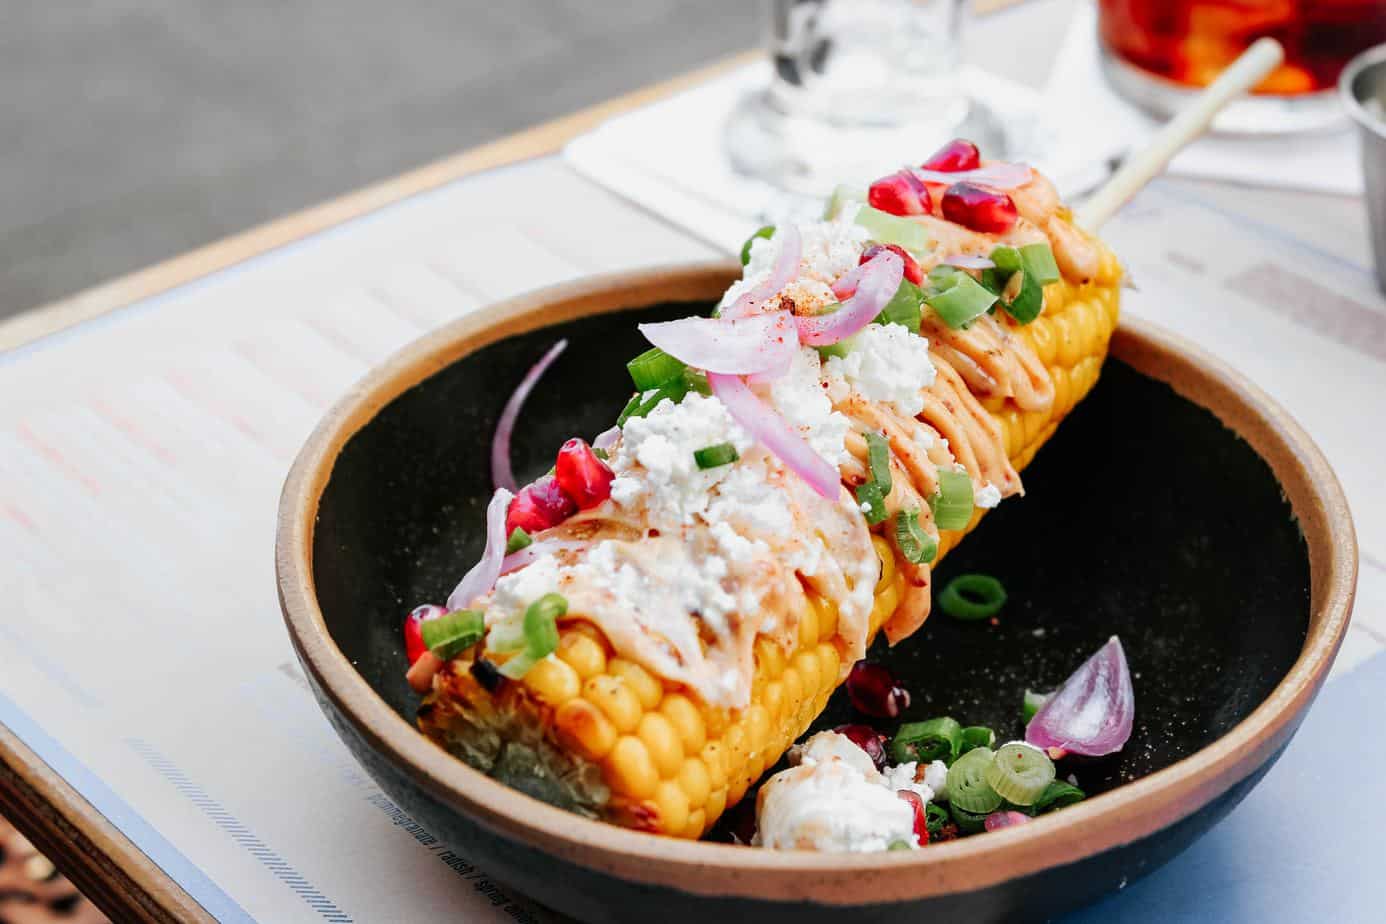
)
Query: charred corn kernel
[
  {"x": 582, "y": 652},
  {"x": 670, "y": 760},
  {"x": 687, "y": 721},
  {"x": 583, "y": 729},
  {"x": 553, "y": 681},
  {"x": 612, "y": 696},
  {"x": 641, "y": 682},
  {"x": 662, "y": 741},
  {"x": 672, "y": 803},
  {"x": 696, "y": 782},
  {"x": 629, "y": 769}
]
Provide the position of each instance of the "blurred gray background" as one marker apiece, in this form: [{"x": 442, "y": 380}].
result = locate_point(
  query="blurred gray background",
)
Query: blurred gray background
[{"x": 133, "y": 130}]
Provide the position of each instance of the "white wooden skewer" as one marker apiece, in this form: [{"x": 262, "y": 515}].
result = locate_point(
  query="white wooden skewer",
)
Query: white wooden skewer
[{"x": 1255, "y": 63}]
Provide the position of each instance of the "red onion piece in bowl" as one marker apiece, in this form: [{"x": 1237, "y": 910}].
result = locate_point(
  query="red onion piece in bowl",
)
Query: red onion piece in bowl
[
  {"x": 526, "y": 556},
  {"x": 606, "y": 439},
  {"x": 998, "y": 820},
  {"x": 742, "y": 346},
  {"x": 483, "y": 575},
  {"x": 775, "y": 434},
  {"x": 997, "y": 175},
  {"x": 1093, "y": 712},
  {"x": 502, "y": 476},
  {"x": 784, "y": 272},
  {"x": 876, "y": 286},
  {"x": 967, "y": 261}
]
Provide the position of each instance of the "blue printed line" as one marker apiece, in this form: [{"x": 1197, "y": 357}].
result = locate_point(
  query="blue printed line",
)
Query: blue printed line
[
  {"x": 129, "y": 822},
  {"x": 239, "y": 833}
]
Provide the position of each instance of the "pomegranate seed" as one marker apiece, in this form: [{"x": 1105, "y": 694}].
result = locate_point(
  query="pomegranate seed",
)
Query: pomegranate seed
[
  {"x": 913, "y": 272},
  {"x": 584, "y": 477},
  {"x": 921, "y": 818},
  {"x": 958, "y": 154},
  {"x": 979, "y": 208},
  {"x": 868, "y": 739},
  {"x": 414, "y": 646},
  {"x": 998, "y": 820},
  {"x": 901, "y": 193},
  {"x": 874, "y": 690},
  {"x": 539, "y": 506}
]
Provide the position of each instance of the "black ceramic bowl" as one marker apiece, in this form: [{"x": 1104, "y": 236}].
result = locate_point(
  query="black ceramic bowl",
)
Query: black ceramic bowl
[{"x": 1177, "y": 507}]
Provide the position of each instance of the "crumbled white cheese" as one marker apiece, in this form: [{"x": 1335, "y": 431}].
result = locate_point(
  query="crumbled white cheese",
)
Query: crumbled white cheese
[
  {"x": 830, "y": 249},
  {"x": 988, "y": 496},
  {"x": 800, "y": 398},
  {"x": 902, "y": 776},
  {"x": 835, "y": 799},
  {"x": 887, "y": 363},
  {"x": 936, "y": 778},
  {"x": 809, "y": 296},
  {"x": 505, "y": 613}
]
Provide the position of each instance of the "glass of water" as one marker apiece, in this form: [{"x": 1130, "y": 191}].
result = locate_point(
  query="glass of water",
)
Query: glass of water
[{"x": 858, "y": 88}]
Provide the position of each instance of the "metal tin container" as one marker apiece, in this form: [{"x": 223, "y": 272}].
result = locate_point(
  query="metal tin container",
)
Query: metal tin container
[{"x": 1363, "y": 89}]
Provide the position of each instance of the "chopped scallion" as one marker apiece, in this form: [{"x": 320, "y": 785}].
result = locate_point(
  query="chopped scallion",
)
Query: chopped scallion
[
  {"x": 890, "y": 229},
  {"x": 1007, "y": 259},
  {"x": 1038, "y": 260},
  {"x": 977, "y": 736},
  {"x": 1031, "y": 704},
  {"x": 960, "y": 300},
  {"x": 935, "y": 817},
  {"x": 839, "y": 199},
  {"x": 952, "y": 505},
  {"x": 934, "y": 739},
  {"x": 968, "y": 822},
  {"x": 766, "y": 232},
  {"x": 1020, "y": 773},
  {"x": 540, "y": 634},
  {"x": 904, "y": 307},
  {"x": 918, "y": 547},
  {"x": 713, "y": 456},
  {"x": 1057, "y": 795},
  {"x": 653, "y": 368},
  {"x": 872, "y": 501},
  {"x": 968, "y": 788},
  {"x": 453, "y": 633},
  {"x": 519, "y": 539},
  {"x": 972, "y": 596},
  {"x": 878, "y": 459},
  {"x": 1023, "y": 297},
  {"x": 839, "y": 349},
  {"x": 899, "y": 845}
]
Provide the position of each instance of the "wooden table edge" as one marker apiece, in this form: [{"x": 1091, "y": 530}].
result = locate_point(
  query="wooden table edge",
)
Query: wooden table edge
[{"x": 546, "y": 138}]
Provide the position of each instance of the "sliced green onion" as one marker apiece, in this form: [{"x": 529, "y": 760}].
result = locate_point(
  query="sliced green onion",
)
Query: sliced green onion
[
  {"x": 1007, "y": 259},
  {"x": 839, "y": 349},
  {"x": 993, "y": 280},
  {"x": 1038, "y": 260},
  {"x": 519, "y": 539},
  {"x": 766, "y": 232},
  {"x": 977, "y": 736},
  {"x": 968, "y": 822},
  {"x": 935, "y": 739},
  {"x": 904, "y": 307},
  {"x": 968, "y": 788},
  {"x": 890, "y": 229},
  {"x": 675, "y": 389},
  {"x": 952, "y": 505},
  {"x": 653, "y": 368},
  {"x": 1020, "y": 773},
  {"x": 1031, "y": 704},
  {"x": 1057, "y": 795},
  {"x": 839, "y": 199},
  {"x": 713, "y": 456},
  {"x": 872, "y": 502},
  {"x": 960, "y": 300},
  {"x": 541, "y": 624},
  {"x": 518, "y": 666},
  {"x": 695, "y": 380},
  {"x": 599, "y": 452},
  {"x": 972, "y": 596},
  {"x": 1023, "y": 297},
  {"x": 878, "y": 458},
  {"x": 918, "y": 547},
  {"x": 935, "y": 817},
  {"x": 453, "y": 633},
  {"x": 900, "y": 845}
]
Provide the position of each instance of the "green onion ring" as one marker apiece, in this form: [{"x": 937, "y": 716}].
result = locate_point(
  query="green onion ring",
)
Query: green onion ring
[
  {"x": 972, "y": 596},
  {"x": 935, "y": 739}
]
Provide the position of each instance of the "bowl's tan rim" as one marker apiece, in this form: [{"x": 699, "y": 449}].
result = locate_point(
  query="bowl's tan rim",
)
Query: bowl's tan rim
[{"x": 1118, "y": 817}]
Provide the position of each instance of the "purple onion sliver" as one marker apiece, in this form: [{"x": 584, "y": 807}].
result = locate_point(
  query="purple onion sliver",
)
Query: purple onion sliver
[
  {"x": 527, "y": 556},
  {"x": 997, "y": 176},
  {"x": 483, "y": 575},
  {"x": 998, "y": 820},
  {"x": 502, "y": 476},
  {"x": 877, "y": 286},
  {"x": 606, "y": 439},
  {"x": 1093, "y": 712},
  {"x": 785, "y": 270},
  {"x": 967, "y": 261},
  {"x": 740, "y": 346},
  {"x": 773, "y": 432}
]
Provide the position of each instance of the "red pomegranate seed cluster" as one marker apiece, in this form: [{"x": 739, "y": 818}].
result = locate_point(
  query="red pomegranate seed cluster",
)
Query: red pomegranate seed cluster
[
  {"x": 901, "y": 193},
  {"x": 979, "y": 208},
  {"x": 869, "y": 740},
  {"x": 921, "y": 818},
  {"x": 414, "y": 646},
  {"x": 913, "y": 271},
  {"x": 874, "y": 690},
  {"x": 968, "y": 204},
  {"x": 580, "y": 480}
]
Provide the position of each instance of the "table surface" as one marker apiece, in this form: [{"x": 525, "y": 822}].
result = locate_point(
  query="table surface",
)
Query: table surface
[{"x": 88, "y": 846}]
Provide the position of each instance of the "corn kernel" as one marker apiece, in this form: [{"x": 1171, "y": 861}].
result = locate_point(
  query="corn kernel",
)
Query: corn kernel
[
  {"x": 758, "y": 736},
  {"x": 687, "y": 721},
  {"x": 642, "y": 683},
  {"x": 714, "y": 757},
  {"x": 613, "y": 697},
  {"x": 584, "y": 730},
  {"x": 583, "y": 652},
  {"x": 629, "y": 769},
  {"x": 808, "y": 625},
  {"x": 697, "y": 824},
  {"x": 887, "y": 558},
  {"x": 553, "y": 681},
  {"x": 673, "y": 807},
  {"x": 716, "y": 803},
  {"x": 806, "y": 665},
  {"x": 662, "y": 741},
  {"x": 772, "y": 698},
  {"x": 827, "y": 609},
  {"x": 769, "y": 658},
  {"x": 828, "y": 666}
]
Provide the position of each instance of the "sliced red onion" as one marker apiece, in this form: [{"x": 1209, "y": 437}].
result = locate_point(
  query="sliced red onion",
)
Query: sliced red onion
[
  {"x": 483, "y": 575},
  {"x": 998, "y": 820},
  {"x": 846, "y": 284},
  {"x": 967, "y": 261},
  {"x": 782, "y": 274},
  {"x": 876, "y": 286},
  {"x": 606, "y": 439},
  {"x": 502, "y": 476},
  {"x": 997, "y": 176},
  {"x": 733, "y": 347},
  {"x": 527, "y": 556},
  {"x": 1093, "y": 712},
  {"x": 775, "y": 434}
]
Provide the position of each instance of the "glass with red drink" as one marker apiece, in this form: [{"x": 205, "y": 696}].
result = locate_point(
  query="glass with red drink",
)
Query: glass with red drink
[{"x": 1157, "y": 52}]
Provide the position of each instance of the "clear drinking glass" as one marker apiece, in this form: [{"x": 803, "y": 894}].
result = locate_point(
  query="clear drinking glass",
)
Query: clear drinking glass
[{"x": 859, "y": 87}]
